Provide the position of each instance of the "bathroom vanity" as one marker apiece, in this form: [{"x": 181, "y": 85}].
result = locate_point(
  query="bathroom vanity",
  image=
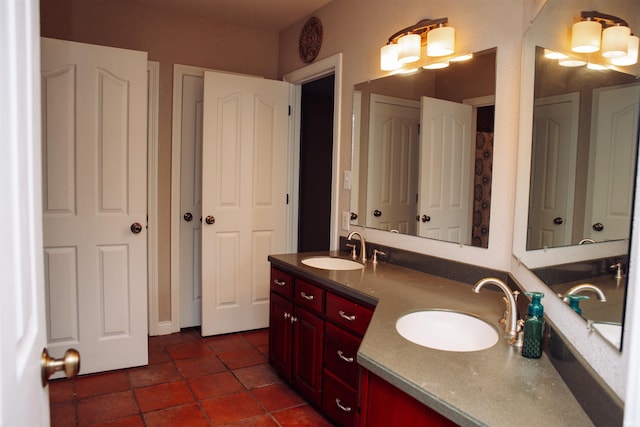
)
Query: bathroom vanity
[{"x": 494, "y": 387}]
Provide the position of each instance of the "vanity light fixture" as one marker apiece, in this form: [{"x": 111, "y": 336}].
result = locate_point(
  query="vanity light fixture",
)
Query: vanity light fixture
[
  {"x": 632, "y": 53},
  {"x": 405, "y": 47},
  {"x": 608, "y": 34}
]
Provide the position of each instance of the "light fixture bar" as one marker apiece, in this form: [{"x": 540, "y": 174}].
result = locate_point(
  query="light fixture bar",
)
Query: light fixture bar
[
  {"x": 421, "y": 27},
  {"x": 604, "y": 19}
]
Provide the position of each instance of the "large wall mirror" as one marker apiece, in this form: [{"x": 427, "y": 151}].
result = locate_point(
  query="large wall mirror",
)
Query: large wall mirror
[
  {"x": 423, "y": 152},
  {"x": 581, "y": 127}
]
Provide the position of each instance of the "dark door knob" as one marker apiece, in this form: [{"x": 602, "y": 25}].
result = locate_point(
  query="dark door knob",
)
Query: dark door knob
[
  {"x": 136, "y": 228},
  {"x": 598, "y": 226},
  {"x": 210, "y": 219},
  {"x": 426, "y": 218},
  {"x": 188, "y": 217},
  {"x": 557, "y": 220},
  {"x": 377, "y": 213}
]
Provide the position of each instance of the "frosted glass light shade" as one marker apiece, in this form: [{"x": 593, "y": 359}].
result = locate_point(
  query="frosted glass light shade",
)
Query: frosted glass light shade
[
  {"x": 409, "y": 46},
  {"x": 389, "y": 57},
  {"x": 441, "y": 41},
  {"x": 631, "y": 57},
  {"x": 585, "y": 36},
  {"x": 615, "y": 41}
]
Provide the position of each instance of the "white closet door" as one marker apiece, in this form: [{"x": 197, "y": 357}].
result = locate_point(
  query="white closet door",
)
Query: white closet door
[{"x": 244, "y": 184}]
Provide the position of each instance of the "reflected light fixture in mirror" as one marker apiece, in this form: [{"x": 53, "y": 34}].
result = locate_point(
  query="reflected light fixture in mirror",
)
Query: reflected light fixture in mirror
[
  {"x": 606, "y": 33},
  {"x": 404, "y": 48}
]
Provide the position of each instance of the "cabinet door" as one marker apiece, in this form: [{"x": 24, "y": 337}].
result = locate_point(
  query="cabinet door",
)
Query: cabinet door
[
  {"x": 280, "y": 335},
  {"x": 308, "y": 335},
  {"x": 385, "y": 405}
]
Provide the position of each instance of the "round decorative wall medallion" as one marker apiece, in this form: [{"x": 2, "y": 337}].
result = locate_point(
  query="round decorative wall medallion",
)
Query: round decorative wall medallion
[{"x": 310, "y": 39}]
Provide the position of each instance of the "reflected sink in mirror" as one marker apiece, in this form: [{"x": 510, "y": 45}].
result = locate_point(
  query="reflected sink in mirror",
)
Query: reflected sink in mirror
[
  {"x": 447, "y": 330},
  {"x": 612, "y": 332},
  {"x": 332, "y": 263}
]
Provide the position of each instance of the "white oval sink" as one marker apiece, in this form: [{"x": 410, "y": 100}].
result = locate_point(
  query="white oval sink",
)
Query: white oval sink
[
  {"x": 332, "y": 263},
  {"x": 612, "y": 332},
  {"x": 447, "y": 330}
]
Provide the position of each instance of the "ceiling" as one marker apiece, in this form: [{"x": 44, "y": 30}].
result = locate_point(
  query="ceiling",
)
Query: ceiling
[{"x": 273, "y": 15}]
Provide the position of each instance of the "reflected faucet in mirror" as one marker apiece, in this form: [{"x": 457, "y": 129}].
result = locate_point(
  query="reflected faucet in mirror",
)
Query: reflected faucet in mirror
[
  {"x": 584, "y": 287},
  {"x": 572, "y": 298}
]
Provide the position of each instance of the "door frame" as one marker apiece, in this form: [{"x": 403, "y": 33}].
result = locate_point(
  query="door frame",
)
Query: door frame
[{"x": 315, "y": 71}]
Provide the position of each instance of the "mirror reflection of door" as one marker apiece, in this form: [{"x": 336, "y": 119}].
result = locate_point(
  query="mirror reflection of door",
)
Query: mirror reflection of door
[
  {"x": 392, "y": 180},
  {"x": 553, "y": 169},
  {"x": 445, "y": 165},
  {"x": 614, "y": 136}
]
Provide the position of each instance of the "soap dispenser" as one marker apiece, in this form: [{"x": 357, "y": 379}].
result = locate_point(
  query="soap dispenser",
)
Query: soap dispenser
[
  {"x": 534, "y": 327},
  {"x": 574, "y": 302}
]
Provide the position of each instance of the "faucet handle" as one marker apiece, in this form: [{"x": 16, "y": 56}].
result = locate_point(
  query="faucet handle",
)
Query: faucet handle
[
  {"x": 518, "y": 340},
  {"x": 376, "y": 252},
  {"x": 618, "y": 270},
  {"x": 353, "y": 250}
]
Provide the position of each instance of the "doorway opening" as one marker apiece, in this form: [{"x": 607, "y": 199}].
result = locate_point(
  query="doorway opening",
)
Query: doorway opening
[{"x": 316, "y": 165}]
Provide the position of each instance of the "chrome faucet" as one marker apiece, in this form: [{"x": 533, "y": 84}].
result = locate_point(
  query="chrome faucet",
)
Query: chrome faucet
[
  {"x": 511, "y": 324},
  {"x": 584, "y": 287},
  {"x": 363, "y": 246}
]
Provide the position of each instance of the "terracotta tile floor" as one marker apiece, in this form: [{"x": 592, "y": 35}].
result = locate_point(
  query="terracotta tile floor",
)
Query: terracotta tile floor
[{"x": 190, "y": 381}]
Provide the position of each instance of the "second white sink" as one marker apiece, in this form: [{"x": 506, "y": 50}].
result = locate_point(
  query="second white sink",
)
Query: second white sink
[
  {"x": 332, "y": 263},
  {"x": 447, "y": 330}
]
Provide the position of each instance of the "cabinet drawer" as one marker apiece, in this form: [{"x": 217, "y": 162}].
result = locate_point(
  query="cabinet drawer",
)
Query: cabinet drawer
[
  {"x": 340, "y": 351},
  {"x": 348, "y": 314},
  {"x": 339, "y": 401},
  {"x": 309, "y": 296},
  {"x": 281, "y": 282}
]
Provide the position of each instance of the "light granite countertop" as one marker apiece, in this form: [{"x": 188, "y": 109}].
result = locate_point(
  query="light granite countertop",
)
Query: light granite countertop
[{"x": 492, "y": 387}]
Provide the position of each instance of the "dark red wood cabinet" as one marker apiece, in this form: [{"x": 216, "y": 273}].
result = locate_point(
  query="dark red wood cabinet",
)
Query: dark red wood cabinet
[
  {"x": 385, "y": 405},
  {"x": 313, "y": 343}
]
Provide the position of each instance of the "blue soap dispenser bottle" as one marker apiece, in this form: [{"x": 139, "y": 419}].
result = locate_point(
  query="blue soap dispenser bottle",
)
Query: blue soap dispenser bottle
[{"x": 534, "y": 327}]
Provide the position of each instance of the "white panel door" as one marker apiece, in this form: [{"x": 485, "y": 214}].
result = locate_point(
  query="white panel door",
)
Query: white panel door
[
  {"x": 94, "y": 117},
  {"x": 392, "y": 181},
  {"x": 244, "y": 186},
  {"x": 445, "y": 171},
  {"x": 613, "y": 154},
  {"x": 553, "y": 165},
  {"x": 23, "y": 400},
  {"x": 191, "y": 199}
]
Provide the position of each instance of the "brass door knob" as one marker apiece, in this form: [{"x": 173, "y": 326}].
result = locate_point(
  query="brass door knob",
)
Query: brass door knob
[
  {"x": 70, "y": 364},
  {"x": 136, "y": 227}
]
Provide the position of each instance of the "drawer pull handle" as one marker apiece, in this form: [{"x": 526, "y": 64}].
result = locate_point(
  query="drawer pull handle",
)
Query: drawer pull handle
[
  {"x": 279, "y": 282},
  {"x": 345, "y": 316},
  {"x": 341, "y": 406},
  {"x": 345, "y": 358},
  {"x": 307, "y": 297},
  {"x": 293, "y": 320},
  {"x": 286, "y": 316}
]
